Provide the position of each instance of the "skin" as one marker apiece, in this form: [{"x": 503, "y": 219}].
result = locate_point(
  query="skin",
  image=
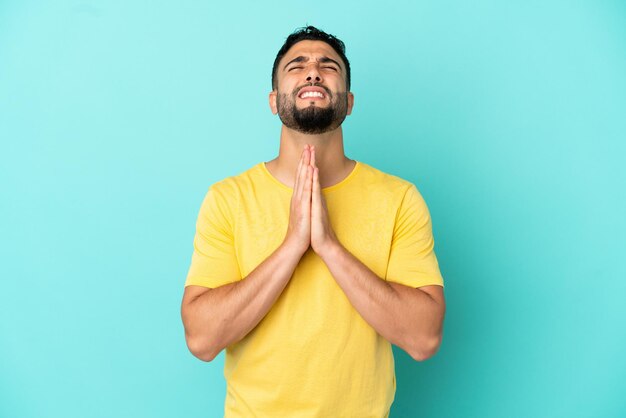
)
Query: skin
[
  {"x": 333, "y": 164},
  {"x": 215, "y": 318},
  {"x": 411, "y": 318}
]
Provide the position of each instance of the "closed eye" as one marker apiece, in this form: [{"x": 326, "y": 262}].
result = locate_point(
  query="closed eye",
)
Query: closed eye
[{"x": 299, "y": 68}]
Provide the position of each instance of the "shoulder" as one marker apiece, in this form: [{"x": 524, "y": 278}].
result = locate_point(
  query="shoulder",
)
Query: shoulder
[
  {"x": 400, "y": 193},
  {"x": 224, "y": 194},
  {"x": 231, "y": 187},
  {"x": 390, "y": 183}
]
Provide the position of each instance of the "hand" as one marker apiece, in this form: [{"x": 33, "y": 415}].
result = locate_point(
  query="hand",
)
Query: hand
[
  {"x": 299, "y": 228},
  {"x": 322, "y": 234}
]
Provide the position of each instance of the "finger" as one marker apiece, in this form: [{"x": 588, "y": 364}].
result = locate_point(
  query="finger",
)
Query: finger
[
  {"x": 295, "y": 185},
  {"x": 315, "y": 199},
  {"x": 302, "y": 174},
  {"x": 306, "y": 196},
  {"x": 307, "y": 155},
  {"x": 313, "y": 156}
]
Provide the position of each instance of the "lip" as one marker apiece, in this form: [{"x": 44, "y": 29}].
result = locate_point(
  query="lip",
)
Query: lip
[{"x": 318, "y": 89}]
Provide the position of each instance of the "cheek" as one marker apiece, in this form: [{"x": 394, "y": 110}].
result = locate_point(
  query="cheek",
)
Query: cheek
[
  {"x": 288, "y": 84},
  {"x": 288, "y": 90}
]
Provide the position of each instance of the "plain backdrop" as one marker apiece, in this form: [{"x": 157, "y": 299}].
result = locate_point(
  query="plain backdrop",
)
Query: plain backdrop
[{"x": 116, "y": 117}]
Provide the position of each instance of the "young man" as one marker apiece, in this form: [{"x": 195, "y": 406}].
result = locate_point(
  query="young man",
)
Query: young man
[{"x": 307, "y": 267}]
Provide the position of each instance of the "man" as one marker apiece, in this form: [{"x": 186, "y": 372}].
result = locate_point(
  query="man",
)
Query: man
[{"x": 305, "y": 268}]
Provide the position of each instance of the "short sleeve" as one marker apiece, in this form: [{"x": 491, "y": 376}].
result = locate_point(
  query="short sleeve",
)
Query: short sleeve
[
  {"x": 412, "y": 260},
  {"x": 214, "y": 262}
]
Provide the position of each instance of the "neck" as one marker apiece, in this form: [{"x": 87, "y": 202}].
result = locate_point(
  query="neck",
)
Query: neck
[{"x": 333, "y": 165}]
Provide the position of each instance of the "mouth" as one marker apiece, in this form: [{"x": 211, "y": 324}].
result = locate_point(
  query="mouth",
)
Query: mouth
[{"x": 312, "y": 93}]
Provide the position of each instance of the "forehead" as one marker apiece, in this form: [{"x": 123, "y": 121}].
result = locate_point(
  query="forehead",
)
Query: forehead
[{"x": 311, "y": 49}]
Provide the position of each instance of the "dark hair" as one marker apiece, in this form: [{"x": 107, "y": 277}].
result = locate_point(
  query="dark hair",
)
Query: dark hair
[{"x": 313, "y": 34}]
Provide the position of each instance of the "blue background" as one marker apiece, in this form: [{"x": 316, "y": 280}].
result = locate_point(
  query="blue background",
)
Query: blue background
[{"x": 116, "y": 116}]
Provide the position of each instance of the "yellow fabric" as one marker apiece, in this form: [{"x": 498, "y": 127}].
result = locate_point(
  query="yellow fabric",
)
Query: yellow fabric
[{"x": 312, "y": 355}]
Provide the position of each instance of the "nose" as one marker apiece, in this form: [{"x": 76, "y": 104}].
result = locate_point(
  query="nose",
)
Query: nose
[{"x": 313, "y": 75}]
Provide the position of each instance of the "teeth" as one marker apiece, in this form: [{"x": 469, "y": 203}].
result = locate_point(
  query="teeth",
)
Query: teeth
[{"x": 311, "y": 94}]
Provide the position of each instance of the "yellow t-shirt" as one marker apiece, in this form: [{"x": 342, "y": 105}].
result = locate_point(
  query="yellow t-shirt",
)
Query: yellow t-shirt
[{"x": 312, "y": 355}]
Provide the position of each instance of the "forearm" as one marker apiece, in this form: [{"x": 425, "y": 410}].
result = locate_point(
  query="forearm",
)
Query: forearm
[
  {"x": 226, "y": 314},
  {"x": 406, "y": 317}
]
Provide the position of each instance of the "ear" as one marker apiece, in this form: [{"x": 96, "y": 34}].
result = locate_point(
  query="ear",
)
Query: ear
[
  {"x": 350, "y": 102},
  {"x": 272, "y": 100}
]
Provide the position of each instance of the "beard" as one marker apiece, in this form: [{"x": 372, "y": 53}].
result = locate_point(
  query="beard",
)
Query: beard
[{"x": 312, "y": 119}]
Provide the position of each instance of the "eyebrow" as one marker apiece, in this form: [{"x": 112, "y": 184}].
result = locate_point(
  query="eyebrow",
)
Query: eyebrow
[{"x": 304, "y": 59}]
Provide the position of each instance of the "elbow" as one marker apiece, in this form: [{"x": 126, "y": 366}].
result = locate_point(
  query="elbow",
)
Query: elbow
[
  {"x": 201, "y": 350},
  {"x": 204, "y": 356},
  {"x": 426, "y": 349}
]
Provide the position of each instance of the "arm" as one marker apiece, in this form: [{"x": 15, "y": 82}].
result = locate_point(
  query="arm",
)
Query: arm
[
  {"x": 216, "y": 318},
  {"x": 411, "y": 318}
]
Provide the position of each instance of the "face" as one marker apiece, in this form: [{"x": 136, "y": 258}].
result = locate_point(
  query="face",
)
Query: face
[{"x": 311, "y": 95}]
